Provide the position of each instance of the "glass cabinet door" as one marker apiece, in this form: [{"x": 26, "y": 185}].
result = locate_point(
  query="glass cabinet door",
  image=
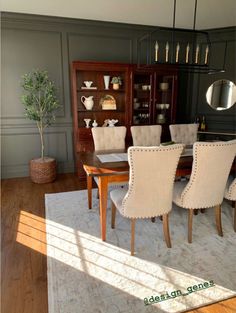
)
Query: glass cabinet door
[
  {"x": 154, "y": 97},
  {"x": 142, "y": 98},
  {"x": 164, "y": 107}
]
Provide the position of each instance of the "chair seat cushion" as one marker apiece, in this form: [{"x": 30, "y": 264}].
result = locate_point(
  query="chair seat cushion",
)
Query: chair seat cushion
[
  {"x": 177, "y": 191},
  {"x": 115, "y": 184},
  {"x": 117, "y": 196},
  {"x": 230, "y": 190}
]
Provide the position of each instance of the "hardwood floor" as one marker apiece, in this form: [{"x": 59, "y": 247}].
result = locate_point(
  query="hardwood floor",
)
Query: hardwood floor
[{"x": 24, "y": 267}]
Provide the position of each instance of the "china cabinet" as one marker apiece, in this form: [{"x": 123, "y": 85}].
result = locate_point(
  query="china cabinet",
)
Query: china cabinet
[
  {"x": 95, "y": 101},
  {"x": 142, "y": 97},
  {"x": 154, "y": 97}
]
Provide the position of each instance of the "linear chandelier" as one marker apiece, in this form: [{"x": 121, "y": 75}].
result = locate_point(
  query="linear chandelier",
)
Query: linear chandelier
[{"x": 189, "y": 50}]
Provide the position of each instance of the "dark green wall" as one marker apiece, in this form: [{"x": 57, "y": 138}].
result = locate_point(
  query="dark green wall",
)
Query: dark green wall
[
  {"x": 217, "y": 120},
  {"x": 31, "y": 41}
]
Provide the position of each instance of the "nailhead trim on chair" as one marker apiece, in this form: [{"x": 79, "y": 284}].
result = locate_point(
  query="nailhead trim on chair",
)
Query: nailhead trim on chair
[
  {"x": 194, "y": 169},
  {"x": 131, "y": 179}
]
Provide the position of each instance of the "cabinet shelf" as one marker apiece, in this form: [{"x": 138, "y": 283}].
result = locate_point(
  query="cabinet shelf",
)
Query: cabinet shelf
[
  {"x": 100, "y": 111},
  {"x": 165, "y": 91},
  {"x": 100, "y": 90},
  {"x": 141, "y": 110}
]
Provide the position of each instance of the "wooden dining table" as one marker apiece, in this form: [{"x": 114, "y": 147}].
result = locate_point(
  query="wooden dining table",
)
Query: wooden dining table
[{"x": 111, "y": 172}]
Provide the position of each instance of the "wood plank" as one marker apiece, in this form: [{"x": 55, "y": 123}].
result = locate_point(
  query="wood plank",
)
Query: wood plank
[{"x": 24, "y": 268}]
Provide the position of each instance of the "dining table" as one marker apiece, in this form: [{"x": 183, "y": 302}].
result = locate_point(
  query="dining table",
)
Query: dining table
[{"x": 111, "y": 166}]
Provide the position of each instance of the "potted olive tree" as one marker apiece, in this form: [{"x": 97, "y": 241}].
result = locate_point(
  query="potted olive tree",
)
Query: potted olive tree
[{"x": 40, "y": 102}]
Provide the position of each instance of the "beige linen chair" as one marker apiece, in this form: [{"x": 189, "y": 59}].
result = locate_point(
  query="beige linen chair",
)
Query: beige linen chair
[
  {"x": 107, "y": 138},
  {"x": 148, "y": 135},
  {"x": 211, "y": 166},
  {"x": 184, "y": 133},
  {"x": 149, "y": 193},
  {"x": 230, "y": 194}
]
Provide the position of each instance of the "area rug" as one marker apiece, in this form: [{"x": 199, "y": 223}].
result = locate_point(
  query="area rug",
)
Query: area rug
[{"x": 87, "y": 275}]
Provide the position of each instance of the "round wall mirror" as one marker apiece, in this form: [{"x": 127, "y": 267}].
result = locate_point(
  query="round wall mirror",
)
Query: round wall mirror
[{"x": 221, "y": 95}]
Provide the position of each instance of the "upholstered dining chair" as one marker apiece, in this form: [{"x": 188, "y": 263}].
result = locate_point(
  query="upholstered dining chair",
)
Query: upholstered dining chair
[
  {"x": 146, "y": 135},
  {"x": 184, "y": 133},
  {"x": 149, "y": 193},
  {"x": 106, "y": 138},
  {"x": 109, "y": 138},
  {"x": 230, "y": 194},
  {"x": 212, "y": 162}
]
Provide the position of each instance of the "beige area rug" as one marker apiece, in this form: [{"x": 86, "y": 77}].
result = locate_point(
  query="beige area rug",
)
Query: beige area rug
[{"x": 86, "y": 275}]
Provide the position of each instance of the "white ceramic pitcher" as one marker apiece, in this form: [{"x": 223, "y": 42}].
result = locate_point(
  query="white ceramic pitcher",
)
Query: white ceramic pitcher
[{"x": 87, "y": 102}]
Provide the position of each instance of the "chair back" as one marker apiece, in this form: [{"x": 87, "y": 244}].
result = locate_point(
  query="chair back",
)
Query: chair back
[
  {"x": 152, "y": 173},
  {"x": 148, "y": 135},
  {"x": 212, "y": 162},
  {"x": 184, "y": 133},
  {"x": 109, "y": 138}
]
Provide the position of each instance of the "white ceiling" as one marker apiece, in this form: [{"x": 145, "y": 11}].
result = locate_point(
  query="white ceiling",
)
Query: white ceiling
[{"x": 210, "y": 13}]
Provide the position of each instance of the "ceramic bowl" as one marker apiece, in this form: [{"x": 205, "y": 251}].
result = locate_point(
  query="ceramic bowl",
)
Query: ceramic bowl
[
  {"x": 164, "y": 86},
  {"x": 88, "y": 84}
]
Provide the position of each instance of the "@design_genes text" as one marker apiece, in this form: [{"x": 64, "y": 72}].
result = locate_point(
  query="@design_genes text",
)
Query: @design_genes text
[{"x": 178, "y": 293}]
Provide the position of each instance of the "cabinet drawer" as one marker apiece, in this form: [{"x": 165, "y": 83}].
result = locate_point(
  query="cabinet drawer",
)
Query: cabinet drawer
[
  {"x": 85, "y": 145},
  {"x": 84, "y": 134}
]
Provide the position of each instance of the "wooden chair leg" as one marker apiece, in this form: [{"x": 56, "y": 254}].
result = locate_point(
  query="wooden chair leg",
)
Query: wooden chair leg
[
  {"x": 190, "y": 224},
  {"x": 166, "y": 230},
  {"x": 132, "y": 236},
  {"x": 218, "y": 220},
  {"x": 235, "y": 216},
  {"x": 89, "y": 188},
  {"x": 113, "y": 215}
]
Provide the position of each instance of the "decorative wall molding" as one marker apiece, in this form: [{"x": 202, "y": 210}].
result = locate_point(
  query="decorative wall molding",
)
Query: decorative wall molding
[
  {"x": 21, "y": 36},
  {"x": 33, "y": 125},
  {"x": 92, "y": 37},
  {"x": 71, "y": 35}
]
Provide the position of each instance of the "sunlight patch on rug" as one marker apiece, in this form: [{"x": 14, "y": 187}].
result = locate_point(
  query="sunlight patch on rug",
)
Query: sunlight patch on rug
[{"x": 88, "y": 275}]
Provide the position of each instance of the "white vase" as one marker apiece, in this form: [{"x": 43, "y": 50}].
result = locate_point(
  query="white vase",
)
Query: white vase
[
  {"x": 95, "y": 124},
  {"x": 106, "y": 81},
  {"x": 87, "y": 121}
]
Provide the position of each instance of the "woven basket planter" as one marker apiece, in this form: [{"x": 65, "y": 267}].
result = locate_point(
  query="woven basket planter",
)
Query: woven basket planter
[{"x": 43, "y": 170}]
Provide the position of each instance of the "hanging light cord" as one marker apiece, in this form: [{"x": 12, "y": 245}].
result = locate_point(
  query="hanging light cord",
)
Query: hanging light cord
[
  {"x": 195, "y": 15},
  {"x": 174, "y": 13}
]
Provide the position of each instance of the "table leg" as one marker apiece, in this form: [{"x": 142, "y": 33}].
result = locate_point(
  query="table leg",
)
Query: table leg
[
  {"x": 89, "y": 188},
  {"x": 103, "y": 188}
]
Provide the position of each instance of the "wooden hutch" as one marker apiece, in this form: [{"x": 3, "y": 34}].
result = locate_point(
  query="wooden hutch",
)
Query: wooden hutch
[{"x": 145, "y": 97}]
